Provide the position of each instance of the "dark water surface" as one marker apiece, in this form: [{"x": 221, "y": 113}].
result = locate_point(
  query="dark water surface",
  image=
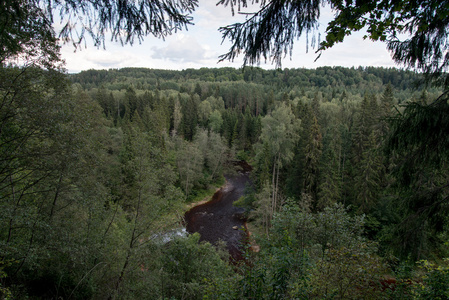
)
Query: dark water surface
[{"x": 217, "y": 219}]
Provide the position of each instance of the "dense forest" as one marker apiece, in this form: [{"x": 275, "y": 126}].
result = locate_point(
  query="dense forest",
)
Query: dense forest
[
  {"x": 345, "y": 186},
  {"x": 98, "y": 168}
]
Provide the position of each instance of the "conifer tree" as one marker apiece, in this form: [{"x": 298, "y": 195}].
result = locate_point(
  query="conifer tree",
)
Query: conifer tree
[
  {"x": 417, "y": 144},
  {"x": 329, "y": 191},
  {"x": 177, "y": 115},
  {"x": 130, "y": 102},
  {"x": 106, "y": 101},
  {"x": 368, "y": 180},
  {"x": 189, "y": 119},
  {"x": 386, "y": 109},
  {"x": 387, "y": 100},
  {"x": 363, "y": 127},
  {"x": 312, "y": 156}
]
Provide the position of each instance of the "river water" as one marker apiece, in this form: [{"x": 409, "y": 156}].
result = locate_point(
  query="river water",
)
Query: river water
[{"x": 218, "y": 219}]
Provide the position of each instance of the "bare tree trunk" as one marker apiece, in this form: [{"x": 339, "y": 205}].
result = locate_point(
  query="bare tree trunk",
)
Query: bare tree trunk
[
  {"x": 31, "y": 240},
  {"x": 13, "y": 192},
  {"x": 277, "y": 185},
  {"x": 217, "y": 164},
  {"x": 273, "y": 194},
  {"x": 133, "y": 238},
  {"x": 118, "y": 109},
  {"x": 55, "y": 199},
  {"x": 187, "y": 184},
  {"x": 343, "y": 177}
]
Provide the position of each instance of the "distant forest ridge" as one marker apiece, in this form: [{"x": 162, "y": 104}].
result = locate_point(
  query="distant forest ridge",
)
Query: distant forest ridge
[
  {"x": 256, "y": 88},
  {"x": 367, "y": 78}
]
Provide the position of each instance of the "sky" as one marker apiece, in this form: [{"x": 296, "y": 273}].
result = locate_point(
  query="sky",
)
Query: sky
[{"x": 201, "y": 45}]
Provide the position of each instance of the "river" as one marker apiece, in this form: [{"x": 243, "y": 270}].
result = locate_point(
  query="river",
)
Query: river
[{"x": 218, "y": 219}]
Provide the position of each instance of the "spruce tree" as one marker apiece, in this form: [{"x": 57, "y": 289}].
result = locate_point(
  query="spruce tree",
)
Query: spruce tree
[
  {"x": 367, "y": 183},
  {"x": 312, "y": 156}
]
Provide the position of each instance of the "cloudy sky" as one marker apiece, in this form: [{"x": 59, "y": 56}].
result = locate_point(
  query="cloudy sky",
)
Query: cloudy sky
[{"x": 201, "y": 45}]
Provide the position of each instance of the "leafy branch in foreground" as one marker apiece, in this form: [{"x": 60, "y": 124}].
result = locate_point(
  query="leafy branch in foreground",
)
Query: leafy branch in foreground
[
  {"x": 26, "y": 27},
  {"x": 271, "y": 32},
  {"x": 419, "y": 140},
  {"x": 126, "y": 20}
]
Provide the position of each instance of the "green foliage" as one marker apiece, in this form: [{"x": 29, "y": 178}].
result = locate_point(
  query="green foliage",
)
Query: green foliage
[
  {"x": 347, "y": 273},
  {"x": 26, "y": 32},
  {"x": 312, "y": 156},
  {"x": 313, "y": 255},
  {"x": 5, "y": 292},
  {"x": 329, "y": 190},
  {"x": 350, "y": 119},
  {"x": 279, "y": 131},
  {"x": 435, "y": 283},
  {"x": 418, "y": 141},
  {"x": 369, "y": 176},
  {"x": 270, "y": 32},
  {"x": 90, "y": 179},
  {"x": 81, "y": 197},
  {"x": 428, "y": 281},
  {"x": 49, "y": 199},
  {"x": 191, "y": 269},
  {"x": 189, "y": 117},
  {"x": 277, "y": 139},
  {"x": 246, "y": 202},
  {"x": 263, "y": 211}
]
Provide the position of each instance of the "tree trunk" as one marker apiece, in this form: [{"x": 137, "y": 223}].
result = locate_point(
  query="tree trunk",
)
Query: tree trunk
[
  {"x": 132, "y": 240},
  {"x": 273, "y": 194},
  {"x": 58, "y": 189},
  {"x": 277, "y": 184}
]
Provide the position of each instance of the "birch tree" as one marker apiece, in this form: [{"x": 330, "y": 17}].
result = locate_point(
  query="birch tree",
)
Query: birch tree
[
  {"x": 279, "y": 134},
  {"x": 190, "y": 163}
]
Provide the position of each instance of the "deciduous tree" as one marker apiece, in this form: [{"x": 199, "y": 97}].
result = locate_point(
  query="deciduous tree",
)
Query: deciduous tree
[{"x": 279, "y": 134}]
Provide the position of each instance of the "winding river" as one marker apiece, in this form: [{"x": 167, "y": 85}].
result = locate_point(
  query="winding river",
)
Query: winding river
[{"x": 218, "y": 219}]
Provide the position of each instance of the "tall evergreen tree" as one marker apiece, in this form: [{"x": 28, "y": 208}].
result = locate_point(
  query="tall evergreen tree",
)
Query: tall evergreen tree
[
  {"x": 312, "y": 157},
  {"x": 368, "y": 181},
  {"x": 329, "y": 190},
  {"x": 189, "y": 119}
]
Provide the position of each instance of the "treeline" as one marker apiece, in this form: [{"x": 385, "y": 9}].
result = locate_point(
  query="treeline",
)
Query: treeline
[
  {"x": 332, "y": 82},
  {"x": 338, "y": 77},
  {"x": 96, "y": 167},
  {"x": 238, "y": 96}
]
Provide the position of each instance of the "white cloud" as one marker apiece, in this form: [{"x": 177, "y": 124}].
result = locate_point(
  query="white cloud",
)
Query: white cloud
[
  {"x": 93, "y": 58},
  {"x": 184, "y": 49},
  {"x": 108, "y": 59},
  {"x": 208, "y": 15},
  {"x": 355, "y": 51}
]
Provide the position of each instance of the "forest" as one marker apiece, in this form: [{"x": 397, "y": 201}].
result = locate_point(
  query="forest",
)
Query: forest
[
  {"x": 98, "y": 169},
  {"x": 346, "y": 187}
]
